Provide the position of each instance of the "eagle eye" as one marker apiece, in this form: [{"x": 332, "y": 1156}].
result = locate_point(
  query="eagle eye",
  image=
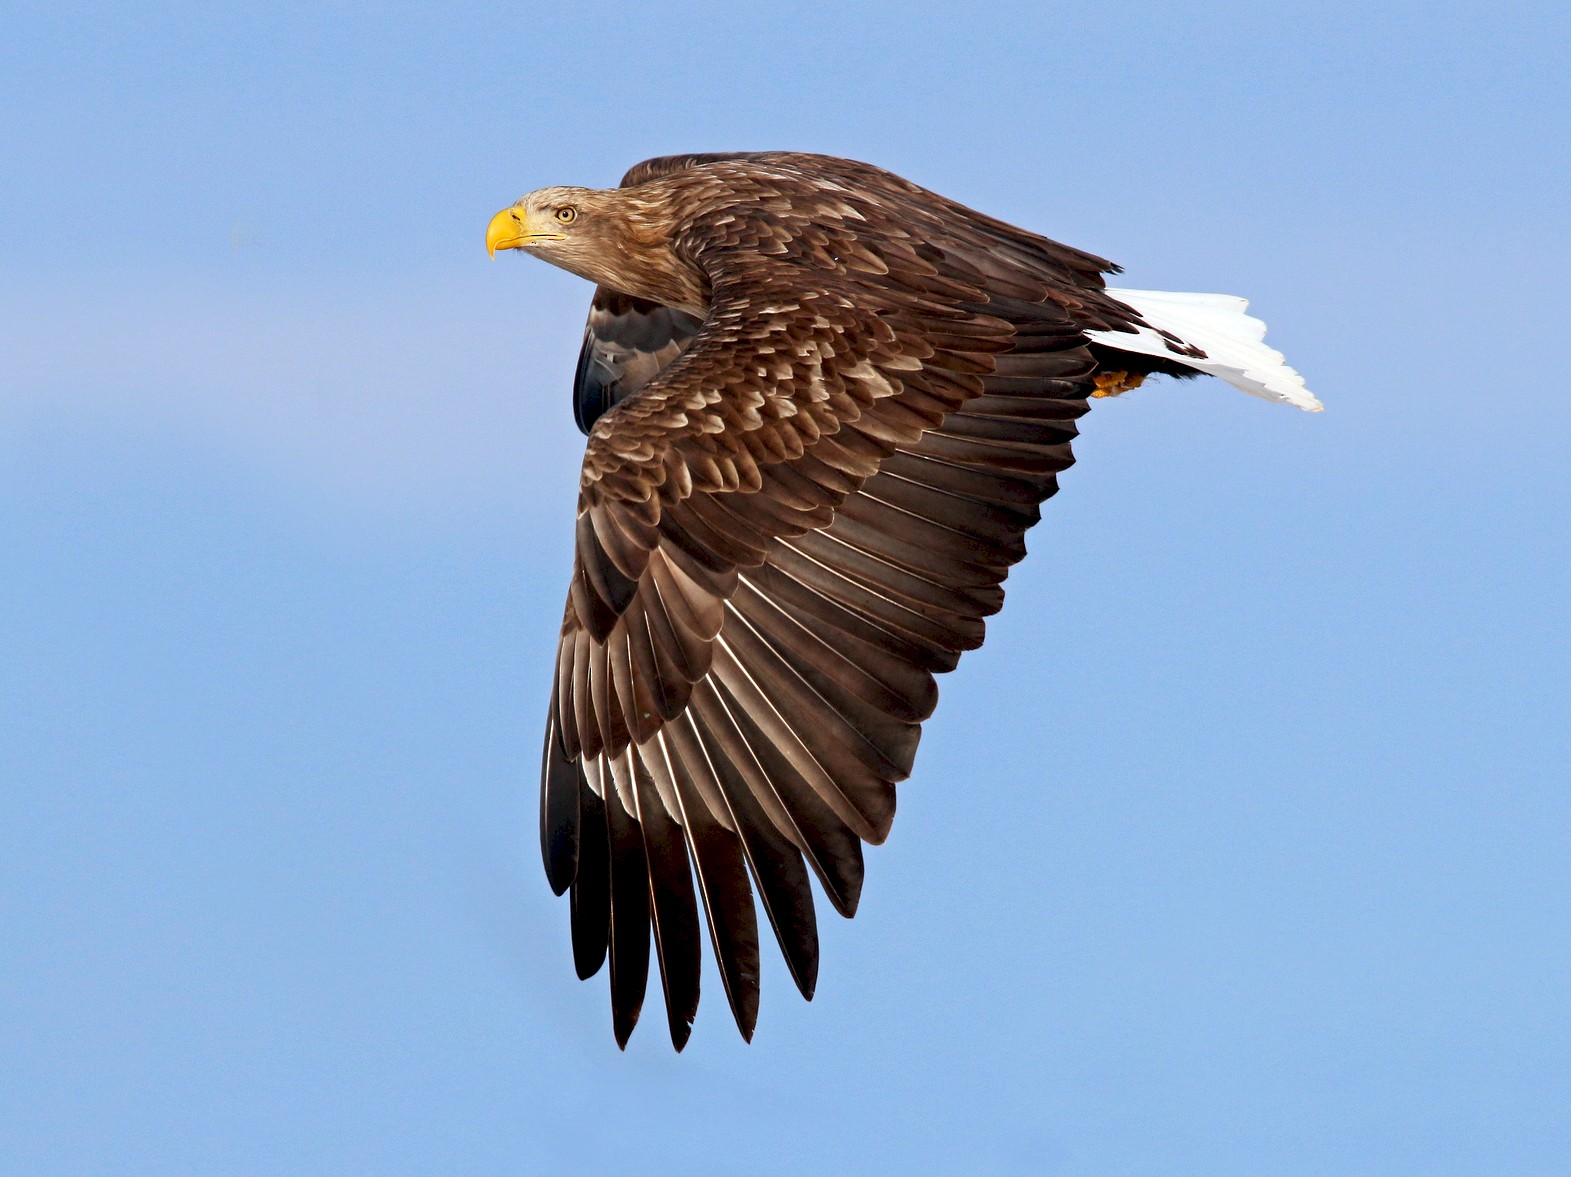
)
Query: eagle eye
[{"x": 567, "y": 214}]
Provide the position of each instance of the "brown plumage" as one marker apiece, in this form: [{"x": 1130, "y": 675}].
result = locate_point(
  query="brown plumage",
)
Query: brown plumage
[{"x": 823, "y": 406}]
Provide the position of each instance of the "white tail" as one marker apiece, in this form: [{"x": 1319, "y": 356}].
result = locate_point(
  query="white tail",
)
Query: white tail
[{"x": 1218, "y": 326}]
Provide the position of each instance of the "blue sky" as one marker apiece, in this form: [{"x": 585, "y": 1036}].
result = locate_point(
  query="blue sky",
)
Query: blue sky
[{"x": 1243, "y": 847}]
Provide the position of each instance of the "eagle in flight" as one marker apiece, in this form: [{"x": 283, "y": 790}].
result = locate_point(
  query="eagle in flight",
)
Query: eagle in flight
[{"x": 824, "y": 406}]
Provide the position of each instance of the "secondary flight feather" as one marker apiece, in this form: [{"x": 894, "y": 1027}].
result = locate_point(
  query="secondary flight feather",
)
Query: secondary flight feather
[{"x": 823, "y": 408}]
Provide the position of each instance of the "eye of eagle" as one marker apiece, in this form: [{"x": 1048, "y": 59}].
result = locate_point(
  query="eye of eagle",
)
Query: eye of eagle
[{"x": 567, "y": 214}]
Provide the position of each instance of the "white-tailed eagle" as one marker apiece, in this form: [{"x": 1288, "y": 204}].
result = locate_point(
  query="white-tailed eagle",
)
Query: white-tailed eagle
[{"x": 824, "y": 406}]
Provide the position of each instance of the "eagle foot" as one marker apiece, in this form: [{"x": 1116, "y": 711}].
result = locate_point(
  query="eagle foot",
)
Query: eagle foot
[{"x": 1113, "y": 383}]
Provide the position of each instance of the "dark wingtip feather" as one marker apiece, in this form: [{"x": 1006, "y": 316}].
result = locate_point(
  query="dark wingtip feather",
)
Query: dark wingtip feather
[
  {"x": 622, "y": 1026},
  {"x": 807, "y": 971},
  {"x": 782, "y": 881},
  {"x": 743, "y": 991},
  {"x": 680, "y": 1033},
  {"x": 591, "y": 891},
  {"x": 728, "y": 905},
  {"x": 559, "y": 810},
  {"x": 673, "y": 906},
  {"x": 629, "y": 948},
  {"x": 846, "y": 899},
  {"x": 589, "y": 942}
]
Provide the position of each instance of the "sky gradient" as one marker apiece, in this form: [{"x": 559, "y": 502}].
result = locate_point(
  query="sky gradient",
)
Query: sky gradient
[{"x": 1242, "y": 848}]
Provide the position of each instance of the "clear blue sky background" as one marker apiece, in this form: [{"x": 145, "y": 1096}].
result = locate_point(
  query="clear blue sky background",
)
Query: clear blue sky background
[{"x": 1243, "y": 848}]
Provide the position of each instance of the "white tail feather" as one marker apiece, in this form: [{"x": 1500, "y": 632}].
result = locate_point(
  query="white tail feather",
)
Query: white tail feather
[{"x": 1218, "y": 326}]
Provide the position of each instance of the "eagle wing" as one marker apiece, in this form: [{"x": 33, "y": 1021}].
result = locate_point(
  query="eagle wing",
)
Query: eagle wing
[
  {"x": 627, "y": 341},
  {"x": 781, "y": 540}
]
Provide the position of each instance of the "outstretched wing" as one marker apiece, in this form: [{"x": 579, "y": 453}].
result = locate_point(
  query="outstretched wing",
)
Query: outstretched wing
[{"x": 781, "y": 541}]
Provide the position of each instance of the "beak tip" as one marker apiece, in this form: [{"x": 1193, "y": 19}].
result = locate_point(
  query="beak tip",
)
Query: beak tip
[{"x": 502, "y": 232}]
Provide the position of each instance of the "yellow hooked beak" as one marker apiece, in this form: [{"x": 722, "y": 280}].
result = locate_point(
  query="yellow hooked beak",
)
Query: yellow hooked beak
[
  {"x": 509, "y": 229},
  {"x": 506, "y": 231}
]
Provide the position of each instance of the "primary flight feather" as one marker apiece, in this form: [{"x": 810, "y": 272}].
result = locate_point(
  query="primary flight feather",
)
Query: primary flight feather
[{"x": 823, "y": 407}]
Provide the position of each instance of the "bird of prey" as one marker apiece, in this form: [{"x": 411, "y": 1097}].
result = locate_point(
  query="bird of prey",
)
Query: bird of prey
[{"x": 823, "y": 406}]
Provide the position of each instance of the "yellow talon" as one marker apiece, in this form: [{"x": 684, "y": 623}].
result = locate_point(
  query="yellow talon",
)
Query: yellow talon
[{"x": 1113, "y": 383}]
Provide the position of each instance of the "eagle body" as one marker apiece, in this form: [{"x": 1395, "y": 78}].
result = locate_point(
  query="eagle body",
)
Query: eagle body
[{"x": 823, "y": 407}]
